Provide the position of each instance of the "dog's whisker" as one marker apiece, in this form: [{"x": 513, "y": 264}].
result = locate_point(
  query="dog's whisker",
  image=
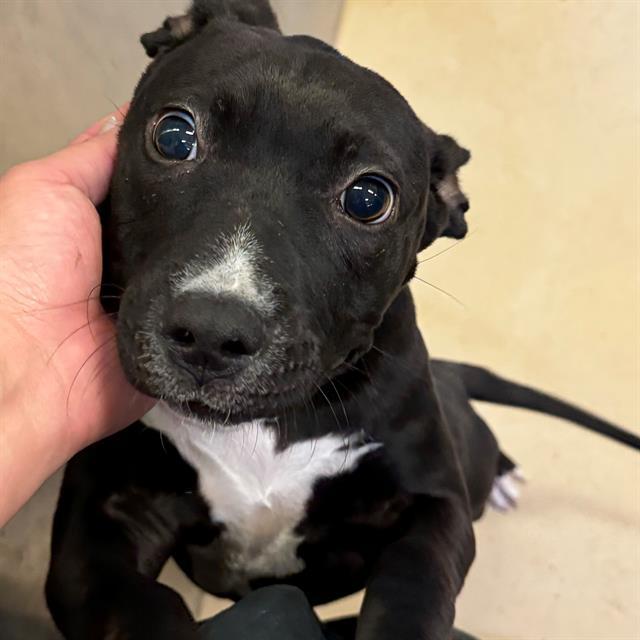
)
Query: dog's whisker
[
  {"x": 101, "y": 367},
  {"x": 315, "y": 433},
  {"x": 439, "y": 253},
  {"x": 295, "y": 423},
  {"x": 437, "y": 288},
  {"x": 344, "y": 410},
  {"x": 110, "y": 356},
  {"x": 324, "y": 395},
  {"x": 371, "y": 392},
  {"x": 369, "y": 389},
  {"x": 401, "y": 361},
  {"x": 313, "y": 448},
  {"x": 309, "y": 406},
  {"x": 445, "y": 250},
  {"x": 77, "y": 375},
  {"x": 75, "y": 332},
  {"x": 118, "y": 109},
  {"x": 65, "y": 305},
  {"x": 88, "y": 309},
  {"x": 344, "y": 386},
  {"x": 47, "y": 308},
  {"x": 122, "y": 223},
  {"x": 255, "y": 443},
  {"x": 162, "y": 442},
  {"x": 357, "y": 369},
  {"x": 243, "y": 432}
]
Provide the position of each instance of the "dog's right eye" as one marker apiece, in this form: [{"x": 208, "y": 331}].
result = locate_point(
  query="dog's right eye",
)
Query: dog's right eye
[{"x": 174, "y": 136}]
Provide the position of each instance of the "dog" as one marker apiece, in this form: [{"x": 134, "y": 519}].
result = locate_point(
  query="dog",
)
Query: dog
[{"x": 268, "y": 203}]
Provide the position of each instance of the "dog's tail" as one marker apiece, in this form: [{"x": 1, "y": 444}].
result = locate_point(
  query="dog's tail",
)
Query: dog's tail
[{"x": 481, "y": 384}]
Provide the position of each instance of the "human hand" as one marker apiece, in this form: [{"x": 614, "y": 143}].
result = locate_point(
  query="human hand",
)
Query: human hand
[{"x": 61, "y": 385}]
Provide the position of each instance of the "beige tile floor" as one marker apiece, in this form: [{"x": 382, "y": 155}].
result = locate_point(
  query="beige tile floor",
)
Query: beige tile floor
[{"x": 546, "y": 95}]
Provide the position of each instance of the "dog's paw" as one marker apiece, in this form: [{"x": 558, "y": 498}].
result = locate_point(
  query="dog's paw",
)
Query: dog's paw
[{"x": 505, "y": 491}]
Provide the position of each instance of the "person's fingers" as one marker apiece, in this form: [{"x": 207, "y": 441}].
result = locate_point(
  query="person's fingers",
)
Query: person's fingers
[
  {"x": 103, "y": 125},
  {"x": 86, "y": 165}
]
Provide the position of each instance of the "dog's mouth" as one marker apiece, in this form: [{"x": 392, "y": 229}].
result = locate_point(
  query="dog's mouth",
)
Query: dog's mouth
[
  {"x": 281, "y": 374},
  {"x": 292, "y": 365},
  {"x": 296, "y": 386},
  {"x": 199, "y": 409},
  {"x": 267, "y": 389},
  {"x": 234, "y": 407}
]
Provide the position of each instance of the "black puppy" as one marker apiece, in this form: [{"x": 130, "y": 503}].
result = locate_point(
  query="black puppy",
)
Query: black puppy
[{"x": 268, "y": 203}]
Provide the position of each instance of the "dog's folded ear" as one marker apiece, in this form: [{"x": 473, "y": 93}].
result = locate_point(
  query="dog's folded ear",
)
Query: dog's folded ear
[
  {"x": 177, "y": 29},
  {"x": 447, "y": 203}
]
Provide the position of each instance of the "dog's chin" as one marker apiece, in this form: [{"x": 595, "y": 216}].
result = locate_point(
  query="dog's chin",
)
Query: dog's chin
[
  {"x": 232, "y": 408},
  {"x": 251, "y": 396},
  {"x": 205, "y": 413}
]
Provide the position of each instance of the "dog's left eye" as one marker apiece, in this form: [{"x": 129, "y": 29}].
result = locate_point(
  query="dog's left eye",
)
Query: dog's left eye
[
  {"x": 174, "y": 136},
  {"x": 369, "y": 199}
]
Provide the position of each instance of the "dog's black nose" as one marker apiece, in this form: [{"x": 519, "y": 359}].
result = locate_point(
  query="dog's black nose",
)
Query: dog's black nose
[{"x": 213, "y": 334}]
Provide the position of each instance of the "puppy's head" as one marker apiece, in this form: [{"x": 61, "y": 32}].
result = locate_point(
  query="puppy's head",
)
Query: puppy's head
[{"x": 269, "y": 200}]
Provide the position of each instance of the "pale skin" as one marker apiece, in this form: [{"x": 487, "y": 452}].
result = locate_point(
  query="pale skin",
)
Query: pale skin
[{"x": 61, "y": 385}]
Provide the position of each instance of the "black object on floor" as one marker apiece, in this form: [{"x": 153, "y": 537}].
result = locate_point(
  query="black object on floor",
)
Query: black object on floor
[
  {"x": 461, "y": 635},
  {"x": 279, "y": 613},
  {"x": 272, "y": 613}
]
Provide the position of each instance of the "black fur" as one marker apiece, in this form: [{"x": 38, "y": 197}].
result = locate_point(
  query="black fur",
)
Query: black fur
[{"x": 284, "y": 125}]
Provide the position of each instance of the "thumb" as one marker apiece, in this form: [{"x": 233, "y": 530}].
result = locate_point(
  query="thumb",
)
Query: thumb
[
  {"x": 103, "y": 125},
  {"x": 86, "y": 164}
]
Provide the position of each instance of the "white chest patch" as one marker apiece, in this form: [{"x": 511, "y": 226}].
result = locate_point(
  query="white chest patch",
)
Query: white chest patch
[{"x": 257, "y": 491}]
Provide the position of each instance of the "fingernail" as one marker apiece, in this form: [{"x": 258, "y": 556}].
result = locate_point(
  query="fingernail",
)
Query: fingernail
[{"x": 110, "y": 123}]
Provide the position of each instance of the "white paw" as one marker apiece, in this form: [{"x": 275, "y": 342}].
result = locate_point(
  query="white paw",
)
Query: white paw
[{"x": 505, "y": 491}]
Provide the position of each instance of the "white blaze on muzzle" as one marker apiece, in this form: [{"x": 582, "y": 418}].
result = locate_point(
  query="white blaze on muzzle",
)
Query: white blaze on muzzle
[{"x": 231, "y": 270}]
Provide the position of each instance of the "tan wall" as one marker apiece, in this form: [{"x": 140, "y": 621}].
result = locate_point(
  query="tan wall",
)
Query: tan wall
[
  {"x": 546, "y": 95},
  {"x": 66, "y": 63}
]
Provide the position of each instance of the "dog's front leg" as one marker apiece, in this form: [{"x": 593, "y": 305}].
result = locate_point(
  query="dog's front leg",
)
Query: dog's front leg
[
  {"x": 103, "y": 594},
  {"x": 124, "y": 605},
  {"x": 412, "y": 591},
  {"x": 109, "y": 543}
]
